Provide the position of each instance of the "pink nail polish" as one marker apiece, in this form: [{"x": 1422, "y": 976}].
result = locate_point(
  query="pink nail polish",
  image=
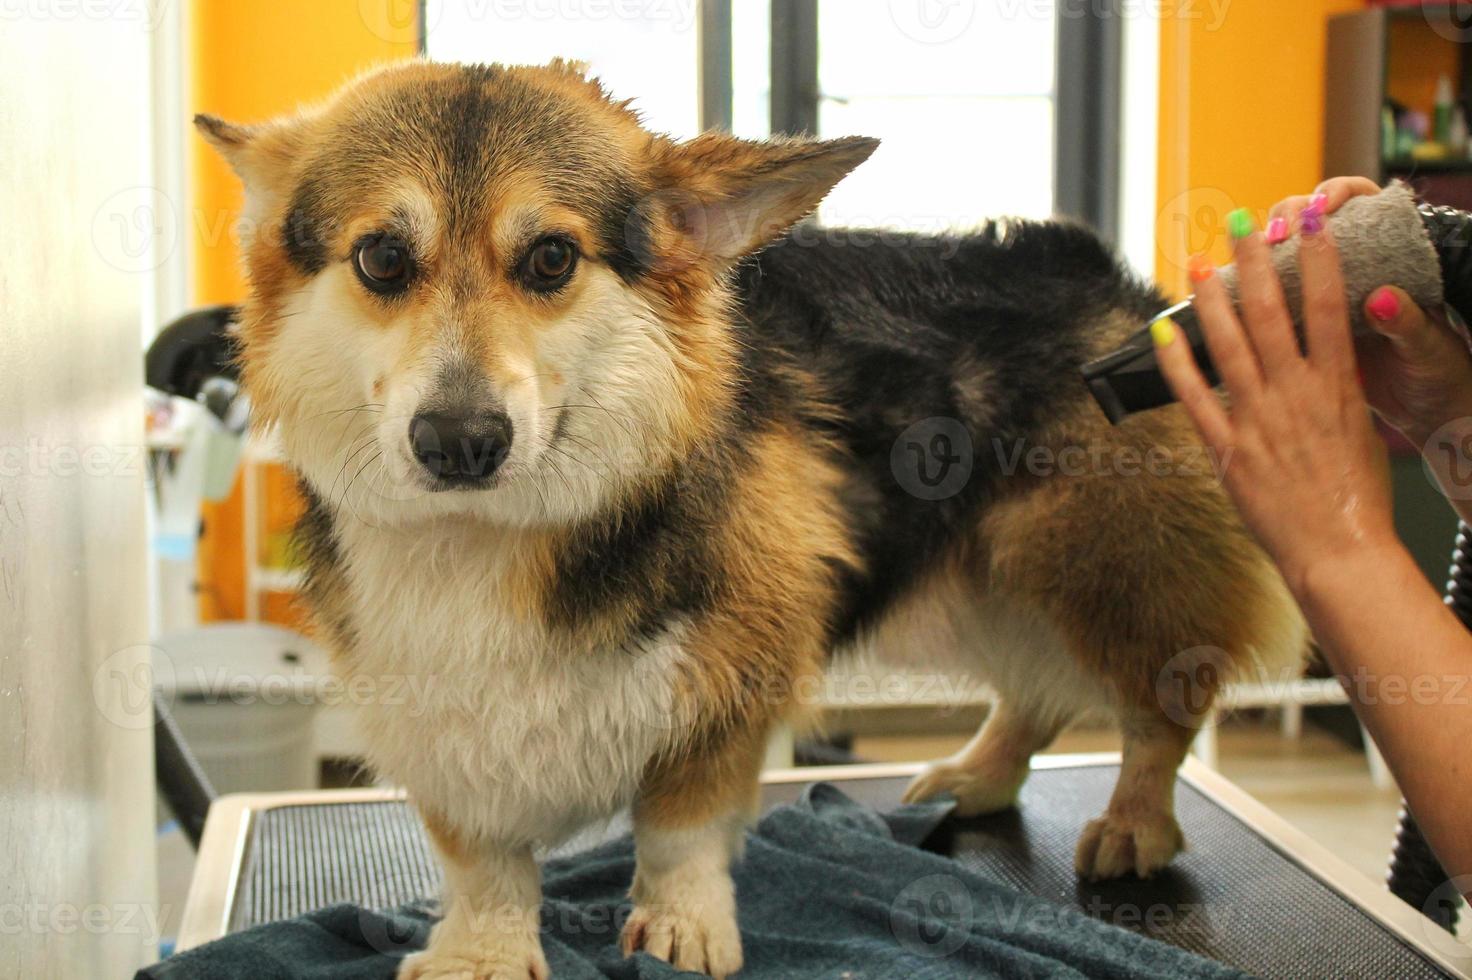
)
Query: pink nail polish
[
  {"x": 1277, "y": 231},
  {"x": 1383, "y": 305},
  {"x": 1311, "y": 218}
]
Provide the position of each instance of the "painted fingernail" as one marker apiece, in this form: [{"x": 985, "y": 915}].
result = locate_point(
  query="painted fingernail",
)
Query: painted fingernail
[
  {"x": 1163, "y": 331},
  {"x": 1277, "y": 231},
  {"x": 1199, "y": 268},
  {"x": 1384, "y": 305},
  {"x": 1311, "y": 218},
  {"x": 1240, "y": 223}
]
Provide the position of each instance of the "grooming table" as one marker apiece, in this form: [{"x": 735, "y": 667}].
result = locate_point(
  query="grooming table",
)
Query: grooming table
[{"x": 1251, "y": 891}]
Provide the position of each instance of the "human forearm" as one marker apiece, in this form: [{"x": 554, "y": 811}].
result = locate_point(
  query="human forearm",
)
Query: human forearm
[{"x": 1407, "y": 665}]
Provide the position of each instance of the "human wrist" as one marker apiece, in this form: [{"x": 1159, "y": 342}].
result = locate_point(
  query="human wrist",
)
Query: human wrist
[{"x": 1334, "y": 577}]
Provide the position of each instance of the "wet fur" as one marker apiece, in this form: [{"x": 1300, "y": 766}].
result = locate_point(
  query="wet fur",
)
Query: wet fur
[{"x": 707, "y": 506}]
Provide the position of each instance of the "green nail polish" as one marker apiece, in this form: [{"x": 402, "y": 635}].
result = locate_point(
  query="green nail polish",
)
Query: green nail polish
[{"x": 1240, "y": 223}]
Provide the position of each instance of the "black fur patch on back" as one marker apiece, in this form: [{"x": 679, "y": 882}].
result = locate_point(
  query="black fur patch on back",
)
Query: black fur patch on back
[{"x": 987, "y": 329}]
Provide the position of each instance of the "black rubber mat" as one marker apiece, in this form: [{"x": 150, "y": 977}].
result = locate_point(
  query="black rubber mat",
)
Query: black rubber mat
[{"x": 1231, "y": 896}]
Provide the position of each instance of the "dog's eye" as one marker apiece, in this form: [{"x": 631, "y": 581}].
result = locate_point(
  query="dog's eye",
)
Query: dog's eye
[
  {"x": 550, "y": 263},
  {"x": 382, "y": 264}
]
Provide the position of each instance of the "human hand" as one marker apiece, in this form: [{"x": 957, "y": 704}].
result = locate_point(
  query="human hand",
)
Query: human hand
[
  {"x": 1283, "y": 216},
  {"x": 1417, "y": 370},
  {"x": 1302, "y": 461}
]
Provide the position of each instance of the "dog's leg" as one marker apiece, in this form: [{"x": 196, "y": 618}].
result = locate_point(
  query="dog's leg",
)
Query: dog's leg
[
  {"x": 491, "y": 900},
  {"x": 688, "y": 826},
  {"x": 1138, "y": 832},
  {"x": 987, "y": 774}
]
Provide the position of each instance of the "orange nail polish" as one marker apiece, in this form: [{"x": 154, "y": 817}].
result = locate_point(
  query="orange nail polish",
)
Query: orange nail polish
[{"x": 1199, "y": 268}]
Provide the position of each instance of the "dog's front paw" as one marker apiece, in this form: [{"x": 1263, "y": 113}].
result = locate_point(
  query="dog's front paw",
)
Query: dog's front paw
[
  {"x": 1113, "y": 845},
  {"x": 976, "y": 793},
  {"x": 510, "y": 961},
  {"x": 694, "y": 937}
]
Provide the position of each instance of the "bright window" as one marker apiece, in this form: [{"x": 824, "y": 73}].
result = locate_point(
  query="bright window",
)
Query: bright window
[
  {"x": 960, "y": 93},
  {"x": 644, "y": 51},
  {"x": 962, "y": 96}
]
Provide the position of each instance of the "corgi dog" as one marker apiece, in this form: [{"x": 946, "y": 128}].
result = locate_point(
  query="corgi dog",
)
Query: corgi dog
[{"x": 610, "y": 451}]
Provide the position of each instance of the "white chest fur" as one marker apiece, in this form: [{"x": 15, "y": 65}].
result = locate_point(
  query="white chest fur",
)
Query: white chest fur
[{"x": 513, "y": 735}]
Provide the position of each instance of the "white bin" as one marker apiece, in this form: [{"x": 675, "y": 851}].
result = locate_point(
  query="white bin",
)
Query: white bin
[{"x": 245, "y": 698}]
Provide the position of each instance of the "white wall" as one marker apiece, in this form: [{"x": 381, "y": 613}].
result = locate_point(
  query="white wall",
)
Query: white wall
[{"x": 76, "y": 229}]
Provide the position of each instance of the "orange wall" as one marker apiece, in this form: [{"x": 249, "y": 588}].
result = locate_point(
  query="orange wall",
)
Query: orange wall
[
  {"x": 250, "y": 60},
  {"x": 1241, "y": 118}
]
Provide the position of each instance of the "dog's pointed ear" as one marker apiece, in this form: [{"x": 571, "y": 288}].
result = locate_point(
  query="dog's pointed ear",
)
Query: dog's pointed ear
[
  {"x": 726, "y": 197},
  {"x": 261, "y": 155}
]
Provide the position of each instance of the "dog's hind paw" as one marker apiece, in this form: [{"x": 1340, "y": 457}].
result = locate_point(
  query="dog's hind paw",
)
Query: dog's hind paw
[
  {"x": 1113, "y": 846},
  {"x": 685, "y": 939},
  {"x": 975, "y": 794}
]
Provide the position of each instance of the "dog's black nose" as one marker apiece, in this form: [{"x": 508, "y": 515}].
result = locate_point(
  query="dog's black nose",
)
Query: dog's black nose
[{"x": 460, "y": 449}]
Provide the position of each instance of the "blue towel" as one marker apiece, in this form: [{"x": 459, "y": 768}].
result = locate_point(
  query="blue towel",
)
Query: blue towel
[{"x": 827, "y": 888}]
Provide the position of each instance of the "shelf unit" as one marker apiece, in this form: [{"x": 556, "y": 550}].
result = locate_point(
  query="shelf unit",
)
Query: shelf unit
[{"x": 1383, "y": 52}]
